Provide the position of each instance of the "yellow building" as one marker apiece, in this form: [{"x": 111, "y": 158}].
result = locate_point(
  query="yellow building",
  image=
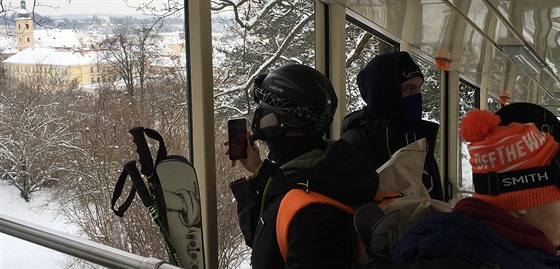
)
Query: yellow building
[
  {"x": 59, "y": 66},
  {"x": 58, "y": 57},
  {"x": 53, "y": 56}
]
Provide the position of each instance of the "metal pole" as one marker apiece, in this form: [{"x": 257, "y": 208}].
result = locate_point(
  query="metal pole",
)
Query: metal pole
[{"x": 78, "y": 247}]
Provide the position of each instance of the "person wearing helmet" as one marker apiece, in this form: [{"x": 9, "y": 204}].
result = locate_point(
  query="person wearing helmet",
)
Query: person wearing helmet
[
  {"x": 523, "y": 112},
  {"x": 296, "y": 104},
  {"x": 390, "y": 85}
]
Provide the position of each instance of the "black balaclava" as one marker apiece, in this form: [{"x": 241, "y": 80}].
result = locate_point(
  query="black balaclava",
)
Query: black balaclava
[
  {"x": 380, "y": 86},
  {"x": 287, "y": 148},
  {"x": 412, "y": 110}
]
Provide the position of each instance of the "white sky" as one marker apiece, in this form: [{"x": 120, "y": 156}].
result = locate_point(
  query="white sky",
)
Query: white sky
[{"x": 86, "y": 6}]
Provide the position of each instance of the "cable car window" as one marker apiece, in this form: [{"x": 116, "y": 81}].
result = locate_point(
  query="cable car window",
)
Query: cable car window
[
  {"x": 431, "y": 94},
  {"x": 64, "y": 137},
  {"x": 430, "y": 90},
  {"x": 361, "y": 46},
  {"x": 468, "y": 100},
  {"x": 493, "y": 103},
  {"x": 248, "y": 42}
]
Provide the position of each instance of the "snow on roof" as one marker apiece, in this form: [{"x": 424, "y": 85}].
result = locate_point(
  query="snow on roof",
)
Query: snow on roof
[
  {"x": 51, "y": 56},
  {"x": 171, "y": 37},
  {"x": 22, "y": 13},
  {"x": 58, "y": 38},
  {"x": 166, "y": 61}
]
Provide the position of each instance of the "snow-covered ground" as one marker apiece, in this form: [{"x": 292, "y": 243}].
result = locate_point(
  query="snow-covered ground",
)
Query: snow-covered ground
[{"x": 16, "y": 253}]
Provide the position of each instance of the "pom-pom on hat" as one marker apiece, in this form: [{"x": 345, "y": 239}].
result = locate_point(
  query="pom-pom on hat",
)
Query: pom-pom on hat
[
  {"x": 508, "y": 159},
  {"x": 478, "y": 125}
]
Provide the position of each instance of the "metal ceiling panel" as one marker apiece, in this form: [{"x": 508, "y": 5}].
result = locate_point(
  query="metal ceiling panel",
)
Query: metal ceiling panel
[{"x": 474, "y": 31}]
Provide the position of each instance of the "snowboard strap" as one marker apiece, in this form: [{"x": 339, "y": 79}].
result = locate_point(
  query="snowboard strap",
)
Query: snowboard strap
[
  {"x": 147, "y": 164},
  {"x": 147, "y": 169},
  {"x": 117, "y": 193}
]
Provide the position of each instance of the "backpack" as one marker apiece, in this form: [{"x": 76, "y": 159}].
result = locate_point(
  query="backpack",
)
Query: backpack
[
  {"x": 381, "y": 226},
  {"x": 292, "y": 202},
  {"x": 401, "y": 200},
  {"x": 442, "y": 263},
  {"x": 402, "y": 174},
  {"x": 407, "y": 195},
  {"x": 379, "y": 233}
]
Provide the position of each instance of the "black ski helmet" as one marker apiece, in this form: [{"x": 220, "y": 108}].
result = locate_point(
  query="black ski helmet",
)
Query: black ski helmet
[
  {"x": 522, "y": 112},
  {"x": 292, "y": 98}
]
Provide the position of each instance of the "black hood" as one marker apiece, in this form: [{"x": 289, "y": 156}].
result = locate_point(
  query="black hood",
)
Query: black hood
[{"x": 379, "y": 83}]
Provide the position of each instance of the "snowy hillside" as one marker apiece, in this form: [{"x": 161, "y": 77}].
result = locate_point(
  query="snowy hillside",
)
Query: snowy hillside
[{"x": 16, "y": 253}]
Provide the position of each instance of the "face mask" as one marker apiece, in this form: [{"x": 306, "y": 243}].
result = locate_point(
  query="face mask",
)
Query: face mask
[{"x": 413, "y": 110}]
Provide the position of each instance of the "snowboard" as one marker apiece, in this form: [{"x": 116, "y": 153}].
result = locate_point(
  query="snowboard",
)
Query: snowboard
[
  {"x": 172, "y": 197},
  {"x": 182, "y": 201}
]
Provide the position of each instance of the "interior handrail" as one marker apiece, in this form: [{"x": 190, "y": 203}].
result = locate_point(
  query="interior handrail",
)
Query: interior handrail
[{"x": 78, "y": 247}]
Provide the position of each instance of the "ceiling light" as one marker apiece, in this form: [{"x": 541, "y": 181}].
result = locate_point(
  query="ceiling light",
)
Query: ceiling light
[{"x": 524, "y": 57}]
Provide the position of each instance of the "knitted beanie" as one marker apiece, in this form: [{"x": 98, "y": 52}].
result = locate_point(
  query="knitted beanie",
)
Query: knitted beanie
[{"x": 497, "y": 149}]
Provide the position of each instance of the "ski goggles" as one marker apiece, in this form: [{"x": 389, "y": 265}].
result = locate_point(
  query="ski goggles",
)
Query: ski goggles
[{"x": 266, "y": 124}]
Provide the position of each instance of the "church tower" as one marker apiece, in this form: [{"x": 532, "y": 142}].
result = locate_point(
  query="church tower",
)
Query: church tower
[{"x": 24, "y": 28}]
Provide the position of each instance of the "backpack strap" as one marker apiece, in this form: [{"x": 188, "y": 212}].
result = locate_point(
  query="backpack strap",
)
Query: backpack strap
[
  {"x": 294, "y": 201},
  {"x": 382, "y": 198}
]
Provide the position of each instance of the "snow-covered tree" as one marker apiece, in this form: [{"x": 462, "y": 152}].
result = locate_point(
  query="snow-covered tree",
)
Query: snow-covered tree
[
  {"x": 36, "y": 139},
  {"x": 130, "y": 51}
]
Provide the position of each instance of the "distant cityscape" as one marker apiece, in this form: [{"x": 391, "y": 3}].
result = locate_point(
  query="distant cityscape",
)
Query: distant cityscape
[{"x": 72, "y": 51}]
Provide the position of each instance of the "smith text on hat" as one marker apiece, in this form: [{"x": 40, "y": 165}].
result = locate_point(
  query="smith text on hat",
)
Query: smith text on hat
[{"x": 524, "y": 179}]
